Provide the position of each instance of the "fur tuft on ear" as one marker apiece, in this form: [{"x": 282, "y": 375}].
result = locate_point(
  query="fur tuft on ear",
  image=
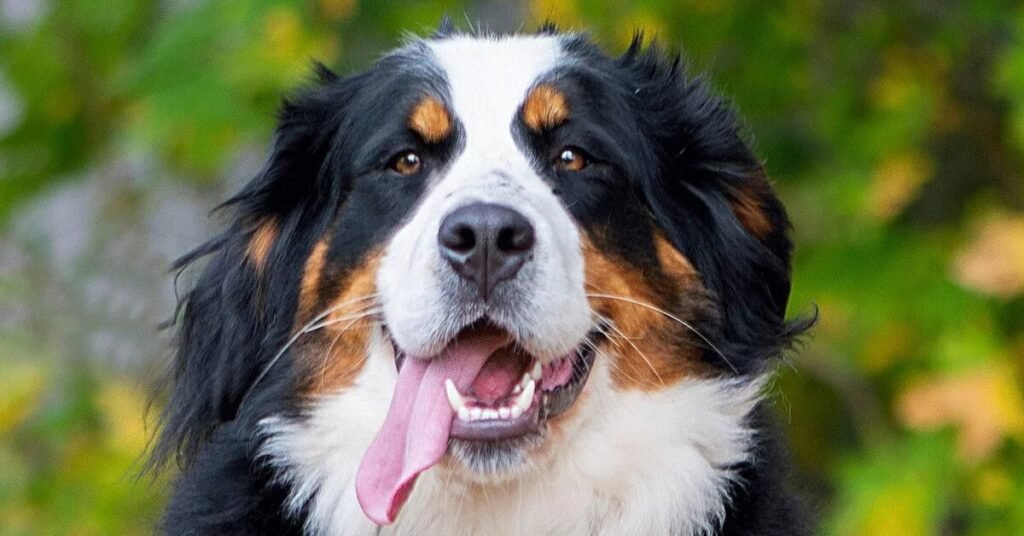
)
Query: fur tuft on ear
[{"x": 712, "y": 197}]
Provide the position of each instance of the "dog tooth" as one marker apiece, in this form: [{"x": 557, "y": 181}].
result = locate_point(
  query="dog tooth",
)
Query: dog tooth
[
  {"x": 526, "y": 397},
  {"x": 474, "y": 414},
  {"x": 454, "y": 398},
  {"x": 516, "y": 411},
  {"x": 504, "y": 413},
  {"x": 463, "y": 413},
  {"x": 517, "y": 389},
  {"x": 490, "y": 414},
  {"x": 537, "y": 371}
]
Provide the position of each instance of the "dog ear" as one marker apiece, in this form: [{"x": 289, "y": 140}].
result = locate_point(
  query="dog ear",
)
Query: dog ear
[
  {"x": 234, "y": 318},
  {"x": 711, "y": 196}
]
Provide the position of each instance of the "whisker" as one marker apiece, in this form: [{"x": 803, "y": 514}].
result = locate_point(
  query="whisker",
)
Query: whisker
[
  {"x": 363, "y": 313},
  {"x": 669, "y": 315},
  {"x": 327, "y": 356},
  {"x": 323, "y": 314},
  {"x": 611, "y": 363},
  {"x": 629, "y": 340},
  {"x": 330, "y": 349},
  {"x": 609, "y": 336},
  {"x": 302, "y": 331}
]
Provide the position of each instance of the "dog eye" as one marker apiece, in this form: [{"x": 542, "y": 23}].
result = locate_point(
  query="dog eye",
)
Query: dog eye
[
  {"x": 571, "y": 159},
  {"x": 407, "y": 163}
]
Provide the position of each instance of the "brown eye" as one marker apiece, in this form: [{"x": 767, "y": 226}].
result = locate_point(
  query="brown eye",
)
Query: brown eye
[
  {"x": 571, "y": 160},
  {"x": 407, "y": 163}
]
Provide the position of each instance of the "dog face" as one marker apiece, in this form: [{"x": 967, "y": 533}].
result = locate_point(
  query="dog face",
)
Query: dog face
[{"x": 511, "y": 263}]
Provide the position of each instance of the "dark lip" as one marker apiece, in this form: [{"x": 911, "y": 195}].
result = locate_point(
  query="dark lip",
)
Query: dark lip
[
  {"x": 546, "y": 403},
  {"x": 560, "y": 399},
  {"x": 496, "y": 430}
]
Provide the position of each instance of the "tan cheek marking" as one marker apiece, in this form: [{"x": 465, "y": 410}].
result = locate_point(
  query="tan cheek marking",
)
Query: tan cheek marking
[
  {"x": 260, "y": 243},
  {"x": 545, "y": 107},
  {"x": 751, "y": 214},
  {"x": 310, "y": 285},
  {"x": 647, "y": 349},
  {"x": 672, "y": 261},
  {"x": 430, "y": 119},
  {"x": 338, "y": 353}
]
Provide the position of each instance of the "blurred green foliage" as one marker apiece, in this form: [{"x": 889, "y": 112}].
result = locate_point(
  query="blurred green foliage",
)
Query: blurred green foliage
[{"x": 894, "y": 132}]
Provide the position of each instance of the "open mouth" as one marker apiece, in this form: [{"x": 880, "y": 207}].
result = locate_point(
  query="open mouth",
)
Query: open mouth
[
  {"x": 482, "y": 389},
  {"x": 514, "y": 393}
]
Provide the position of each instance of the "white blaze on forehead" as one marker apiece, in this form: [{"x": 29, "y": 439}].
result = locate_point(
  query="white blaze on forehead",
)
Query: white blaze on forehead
[{"x": 489, "y": 79}]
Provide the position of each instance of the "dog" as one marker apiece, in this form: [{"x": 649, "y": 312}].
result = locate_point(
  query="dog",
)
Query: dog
[{"x": 494, "y": 284}]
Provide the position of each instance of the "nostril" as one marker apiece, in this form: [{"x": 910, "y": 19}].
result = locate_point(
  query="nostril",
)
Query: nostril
[
  {"x": 515, "y": 239},
  {"x": 459, "y": 238}
]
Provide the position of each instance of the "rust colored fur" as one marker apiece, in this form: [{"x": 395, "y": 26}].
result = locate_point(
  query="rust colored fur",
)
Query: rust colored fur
[
  {"x": 651, "y": 350},
  {"x": 262, "y": 240},
  {"x": 336, "y": 352},
  {"x": 545, "y": 108},
  {"x": 430, "y": 119}
]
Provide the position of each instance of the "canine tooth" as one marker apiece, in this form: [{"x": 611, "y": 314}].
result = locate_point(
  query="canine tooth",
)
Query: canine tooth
[
  {"x": 490, "y": 414},
  {"x": 516, "y": 411},
  {"x": 526, "y": 397},
  {"x": 454, "y": 398},
  {"x": 504, "y": 413},
  {"x": 463, "y": 413},
  {"x": 474, "y": 414},
  {"x": 517, "y": 389},
  {"x": 537, "y": 372}
]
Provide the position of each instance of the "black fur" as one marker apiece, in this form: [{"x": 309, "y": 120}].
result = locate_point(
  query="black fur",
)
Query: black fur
[{"x": 668, "y": 156}]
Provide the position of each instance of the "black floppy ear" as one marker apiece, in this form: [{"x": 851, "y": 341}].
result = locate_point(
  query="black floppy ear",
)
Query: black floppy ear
[
  {"x": 710, "y": 194},
  {"x": 231, "y": 321}
]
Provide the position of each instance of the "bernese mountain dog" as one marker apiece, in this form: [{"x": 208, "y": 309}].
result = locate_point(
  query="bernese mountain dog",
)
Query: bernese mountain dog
[{"x": 494, "y": 284}]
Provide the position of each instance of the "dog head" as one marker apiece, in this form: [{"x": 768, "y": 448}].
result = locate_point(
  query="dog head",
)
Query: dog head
[{"x": 472, "y": 257}]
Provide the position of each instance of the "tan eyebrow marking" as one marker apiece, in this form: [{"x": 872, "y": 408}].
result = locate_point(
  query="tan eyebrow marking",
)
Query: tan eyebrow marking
[
  {"x": 431, "y": 120},
  {"x": 545, "y": 107}
]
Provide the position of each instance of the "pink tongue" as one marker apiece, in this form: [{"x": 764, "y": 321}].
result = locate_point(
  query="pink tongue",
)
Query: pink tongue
[{"x": 414, "y": 435}]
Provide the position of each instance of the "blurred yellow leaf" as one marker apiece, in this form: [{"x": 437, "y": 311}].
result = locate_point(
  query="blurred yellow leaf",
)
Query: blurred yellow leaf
[
  {"x": 288, "y": 45},
  {"x": 992, "y": 486},
  {"x": 897, "y": 510},
  {"x": 907, "y": 75},
  {"x": 651, "y": 23},
  {"x": 124, "y": 409},
  {"x": 895, "y": 183},
  {"x": 886, "y": 346},
  {"x": 985, "y": 406},
  {"x": 993, "y": 262},
  {"x": 836, "y": 316},
  {"x": 283, "y": 32},
  {"x": 20, "y": 387},
  {"x": 564, "y": 14}
]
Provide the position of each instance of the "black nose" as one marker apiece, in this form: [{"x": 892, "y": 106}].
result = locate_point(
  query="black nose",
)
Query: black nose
[{"x": 486, "y": 243}]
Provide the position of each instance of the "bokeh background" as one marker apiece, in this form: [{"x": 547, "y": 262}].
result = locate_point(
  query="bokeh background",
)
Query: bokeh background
[{"x": 894, "y": 131}]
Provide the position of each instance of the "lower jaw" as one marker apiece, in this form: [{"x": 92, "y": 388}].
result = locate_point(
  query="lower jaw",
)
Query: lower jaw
[{"x": 494, "y": 459}]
